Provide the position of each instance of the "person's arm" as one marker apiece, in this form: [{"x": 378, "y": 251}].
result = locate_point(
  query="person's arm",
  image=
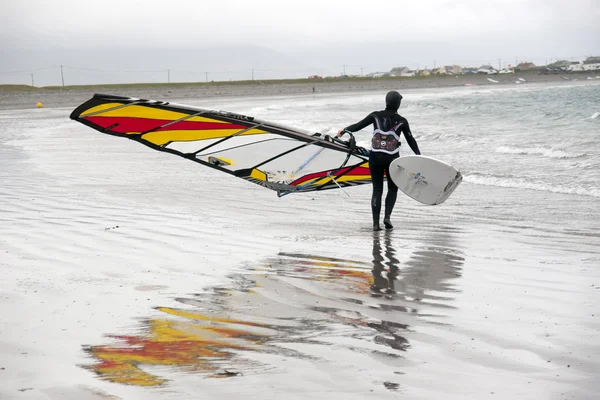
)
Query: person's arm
[
  {"x": 357, "y": 126},
  {"x": 412, "y": 142}
]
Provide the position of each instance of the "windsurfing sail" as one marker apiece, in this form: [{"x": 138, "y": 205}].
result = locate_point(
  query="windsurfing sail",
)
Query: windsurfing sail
[{"x": 280, "y": 158}]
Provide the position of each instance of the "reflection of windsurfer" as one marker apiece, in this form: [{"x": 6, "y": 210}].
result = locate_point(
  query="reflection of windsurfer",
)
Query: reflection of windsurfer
[
  {"x": 388, "y": 126},
  {"x": 383, "y": 281}
]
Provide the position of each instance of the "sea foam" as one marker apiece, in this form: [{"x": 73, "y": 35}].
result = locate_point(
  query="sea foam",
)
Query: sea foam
[
  {"x": 541, "y": 151},
  {"x": 510, "y": 182}
]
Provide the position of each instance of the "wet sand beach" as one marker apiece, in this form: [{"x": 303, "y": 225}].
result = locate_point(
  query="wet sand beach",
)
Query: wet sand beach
[{"x": 132, "y": 274}]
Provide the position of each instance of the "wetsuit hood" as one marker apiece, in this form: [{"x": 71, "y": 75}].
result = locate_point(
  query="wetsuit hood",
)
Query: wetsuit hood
[{"x": 392, "y": 100}]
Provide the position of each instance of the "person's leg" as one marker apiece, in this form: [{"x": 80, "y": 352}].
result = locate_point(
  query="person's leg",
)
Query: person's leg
[
  {"x": 377, "y": 172},
  {"x": 390, "y": 198}
]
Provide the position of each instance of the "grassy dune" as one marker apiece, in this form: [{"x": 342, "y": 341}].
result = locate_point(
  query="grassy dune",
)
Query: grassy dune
[
  {"x": 412, "y": 81},
  {"x": 221, "y": 83}
]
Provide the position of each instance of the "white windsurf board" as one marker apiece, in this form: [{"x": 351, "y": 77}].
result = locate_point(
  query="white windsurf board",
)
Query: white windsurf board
[{"x": 425, "y": 179}]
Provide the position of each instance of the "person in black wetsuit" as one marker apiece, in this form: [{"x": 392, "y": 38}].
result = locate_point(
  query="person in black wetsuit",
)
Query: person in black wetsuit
[{"x": 385, "y": 147}]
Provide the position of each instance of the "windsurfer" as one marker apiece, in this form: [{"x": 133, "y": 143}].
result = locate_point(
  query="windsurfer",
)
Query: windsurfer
[{"x": 385, "y": 147}]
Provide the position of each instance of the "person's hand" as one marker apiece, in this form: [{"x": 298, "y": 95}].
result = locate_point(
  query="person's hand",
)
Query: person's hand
[{"x": 340, "y": 133}]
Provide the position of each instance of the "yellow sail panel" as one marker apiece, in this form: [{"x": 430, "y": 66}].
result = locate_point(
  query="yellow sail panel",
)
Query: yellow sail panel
[
  {"x": 162, "y": 137},
  {"x": 351, "y": 178},
  {"x": 256, "y": 174},
  {"x": 133, "y": 111}
]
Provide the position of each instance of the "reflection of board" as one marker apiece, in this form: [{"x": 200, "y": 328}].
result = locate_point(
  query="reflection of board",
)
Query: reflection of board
[{"x": 425, "y": 179}]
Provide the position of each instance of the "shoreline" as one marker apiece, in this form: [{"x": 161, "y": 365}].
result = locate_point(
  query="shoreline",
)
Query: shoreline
[{"x": 72, "y": 96}]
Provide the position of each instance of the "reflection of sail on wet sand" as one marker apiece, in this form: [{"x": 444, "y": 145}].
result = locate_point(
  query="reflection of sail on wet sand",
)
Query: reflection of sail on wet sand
[
  {"x": 293, "y": 305},
  {"x": 186, "y": 343}
]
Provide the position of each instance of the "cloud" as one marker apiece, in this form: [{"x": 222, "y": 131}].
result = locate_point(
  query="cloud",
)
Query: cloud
[
  {"x": 330, "y": 36},
  {"x": 303, "y": 24}
]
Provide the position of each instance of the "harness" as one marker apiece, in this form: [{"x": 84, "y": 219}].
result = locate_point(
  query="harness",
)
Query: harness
[{"x": 385, "y": 141}]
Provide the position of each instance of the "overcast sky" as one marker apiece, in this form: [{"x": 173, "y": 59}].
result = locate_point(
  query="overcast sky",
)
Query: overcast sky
[{"x": 325, "y": 34}]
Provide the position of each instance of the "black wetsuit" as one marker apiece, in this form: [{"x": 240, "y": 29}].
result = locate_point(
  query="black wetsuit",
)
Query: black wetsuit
[{"x": 385, "y": 148}]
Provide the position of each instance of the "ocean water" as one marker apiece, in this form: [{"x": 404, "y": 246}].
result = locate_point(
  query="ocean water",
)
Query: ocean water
[
  {"x": 528, "y": 154},
  {"x": 138, "y": 274}
]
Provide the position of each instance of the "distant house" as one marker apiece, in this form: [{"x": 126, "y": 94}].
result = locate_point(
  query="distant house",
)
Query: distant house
[
  {"x": 454, "y": 69},
  {"x": 587, "y": 65},
  {"x": 486, "y": 69},
  {"x": 559, "y": 64},
  {"x": 591, "y": 67},
  {"x": 525, "y": 65},
  {"x": 591, "y": 64},
  {"x": 315, "y": 77},
  {"x": 592, "y": 60},
  {"x": 398, "y": 71},
  {"x": 439, "y": 71},
  {"x": 424, "y": 72},
  {"x": 575, "y": 67}
]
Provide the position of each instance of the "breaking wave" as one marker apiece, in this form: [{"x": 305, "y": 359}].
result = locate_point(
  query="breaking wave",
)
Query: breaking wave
[
  {"x": 541, "y": 151},
  {"x": 510, "y": 182}
]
